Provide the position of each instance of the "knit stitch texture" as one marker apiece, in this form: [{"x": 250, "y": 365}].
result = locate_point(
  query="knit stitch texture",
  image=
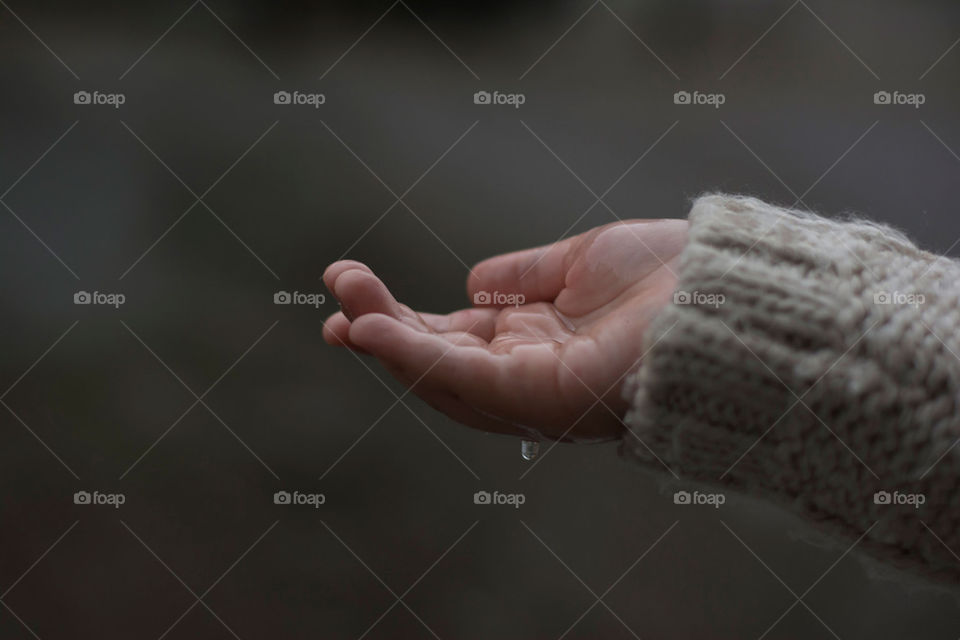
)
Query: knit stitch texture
[{"x": 827, "y": 376}]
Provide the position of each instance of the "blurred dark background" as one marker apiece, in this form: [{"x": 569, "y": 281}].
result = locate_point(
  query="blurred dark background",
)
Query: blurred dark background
[{"x": 104, "y": 199}]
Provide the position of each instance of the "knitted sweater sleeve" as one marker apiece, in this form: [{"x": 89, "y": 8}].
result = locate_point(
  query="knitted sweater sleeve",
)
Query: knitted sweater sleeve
[{"x": 817, "y": 363}]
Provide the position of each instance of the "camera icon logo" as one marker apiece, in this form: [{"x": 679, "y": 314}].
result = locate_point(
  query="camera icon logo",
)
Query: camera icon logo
[
  {"x": 482, "y": 97},
  {"x": 881, "y": 497},
  {"x": 282, "y": 297},
  {"x": 681, "y": 497},
  {"x": 482, "y": 497},
  {"x": 681, "y": 297},
  {"x": 481, "y": 297},
  {"x": 82, "y": 297},
  {"x": 81, "y": 497},
  {"x": 281, "y": 97},
  {"x": 281, "y": 497},
  {"x": 881, "y": 297},
  {"x": 881, "y": 97},
  {"x": 681, "y": 97},
  {"x": 81, "y": 97}
]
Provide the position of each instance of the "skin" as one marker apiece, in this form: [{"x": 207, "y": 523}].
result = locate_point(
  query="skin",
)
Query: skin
[{"x": 556, "y": 363}]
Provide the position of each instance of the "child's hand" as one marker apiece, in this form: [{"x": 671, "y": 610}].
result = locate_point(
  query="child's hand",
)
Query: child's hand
[{"x": 542, "y": 364}]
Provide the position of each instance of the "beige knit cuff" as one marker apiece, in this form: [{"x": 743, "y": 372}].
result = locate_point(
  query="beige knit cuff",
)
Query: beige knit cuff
[{"x": 794, "y": 362}]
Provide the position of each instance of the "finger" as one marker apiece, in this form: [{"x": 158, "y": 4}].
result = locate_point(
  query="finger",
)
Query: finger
[
  {"x": 617, "y": 257},
  {"x": 536, "y": 274},
  {"x": 360, "y": 292},
  {"x": 336, "y": 331},
  {"x": 333, "y": 271},
  {"x": 455, "y": 362},
  {"x": 459, "y": 363},
  {"x": 480, "y": 322}
]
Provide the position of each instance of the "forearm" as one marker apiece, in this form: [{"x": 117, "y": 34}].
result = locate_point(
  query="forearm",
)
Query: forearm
[{"x": 815, "y": 362}]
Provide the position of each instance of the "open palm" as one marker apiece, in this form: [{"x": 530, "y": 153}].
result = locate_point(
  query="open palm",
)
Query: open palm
[{"x": 555, "y": 363}]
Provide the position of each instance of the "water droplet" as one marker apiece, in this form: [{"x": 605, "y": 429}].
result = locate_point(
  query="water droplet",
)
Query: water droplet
[{"x": 529, "y": 449}]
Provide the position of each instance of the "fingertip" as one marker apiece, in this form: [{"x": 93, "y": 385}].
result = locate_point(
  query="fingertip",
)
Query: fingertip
[
  {"x": 333, "y": 271},
  {"x": 360, "y": 292},
  {"x": 336, "y": 330},
  {"x": 537, "y": 274},
  {"x": 475, "y": 279}
]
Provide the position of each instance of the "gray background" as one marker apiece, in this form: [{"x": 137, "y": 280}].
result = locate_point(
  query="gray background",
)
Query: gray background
[{"x": 200, "y": 501}]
